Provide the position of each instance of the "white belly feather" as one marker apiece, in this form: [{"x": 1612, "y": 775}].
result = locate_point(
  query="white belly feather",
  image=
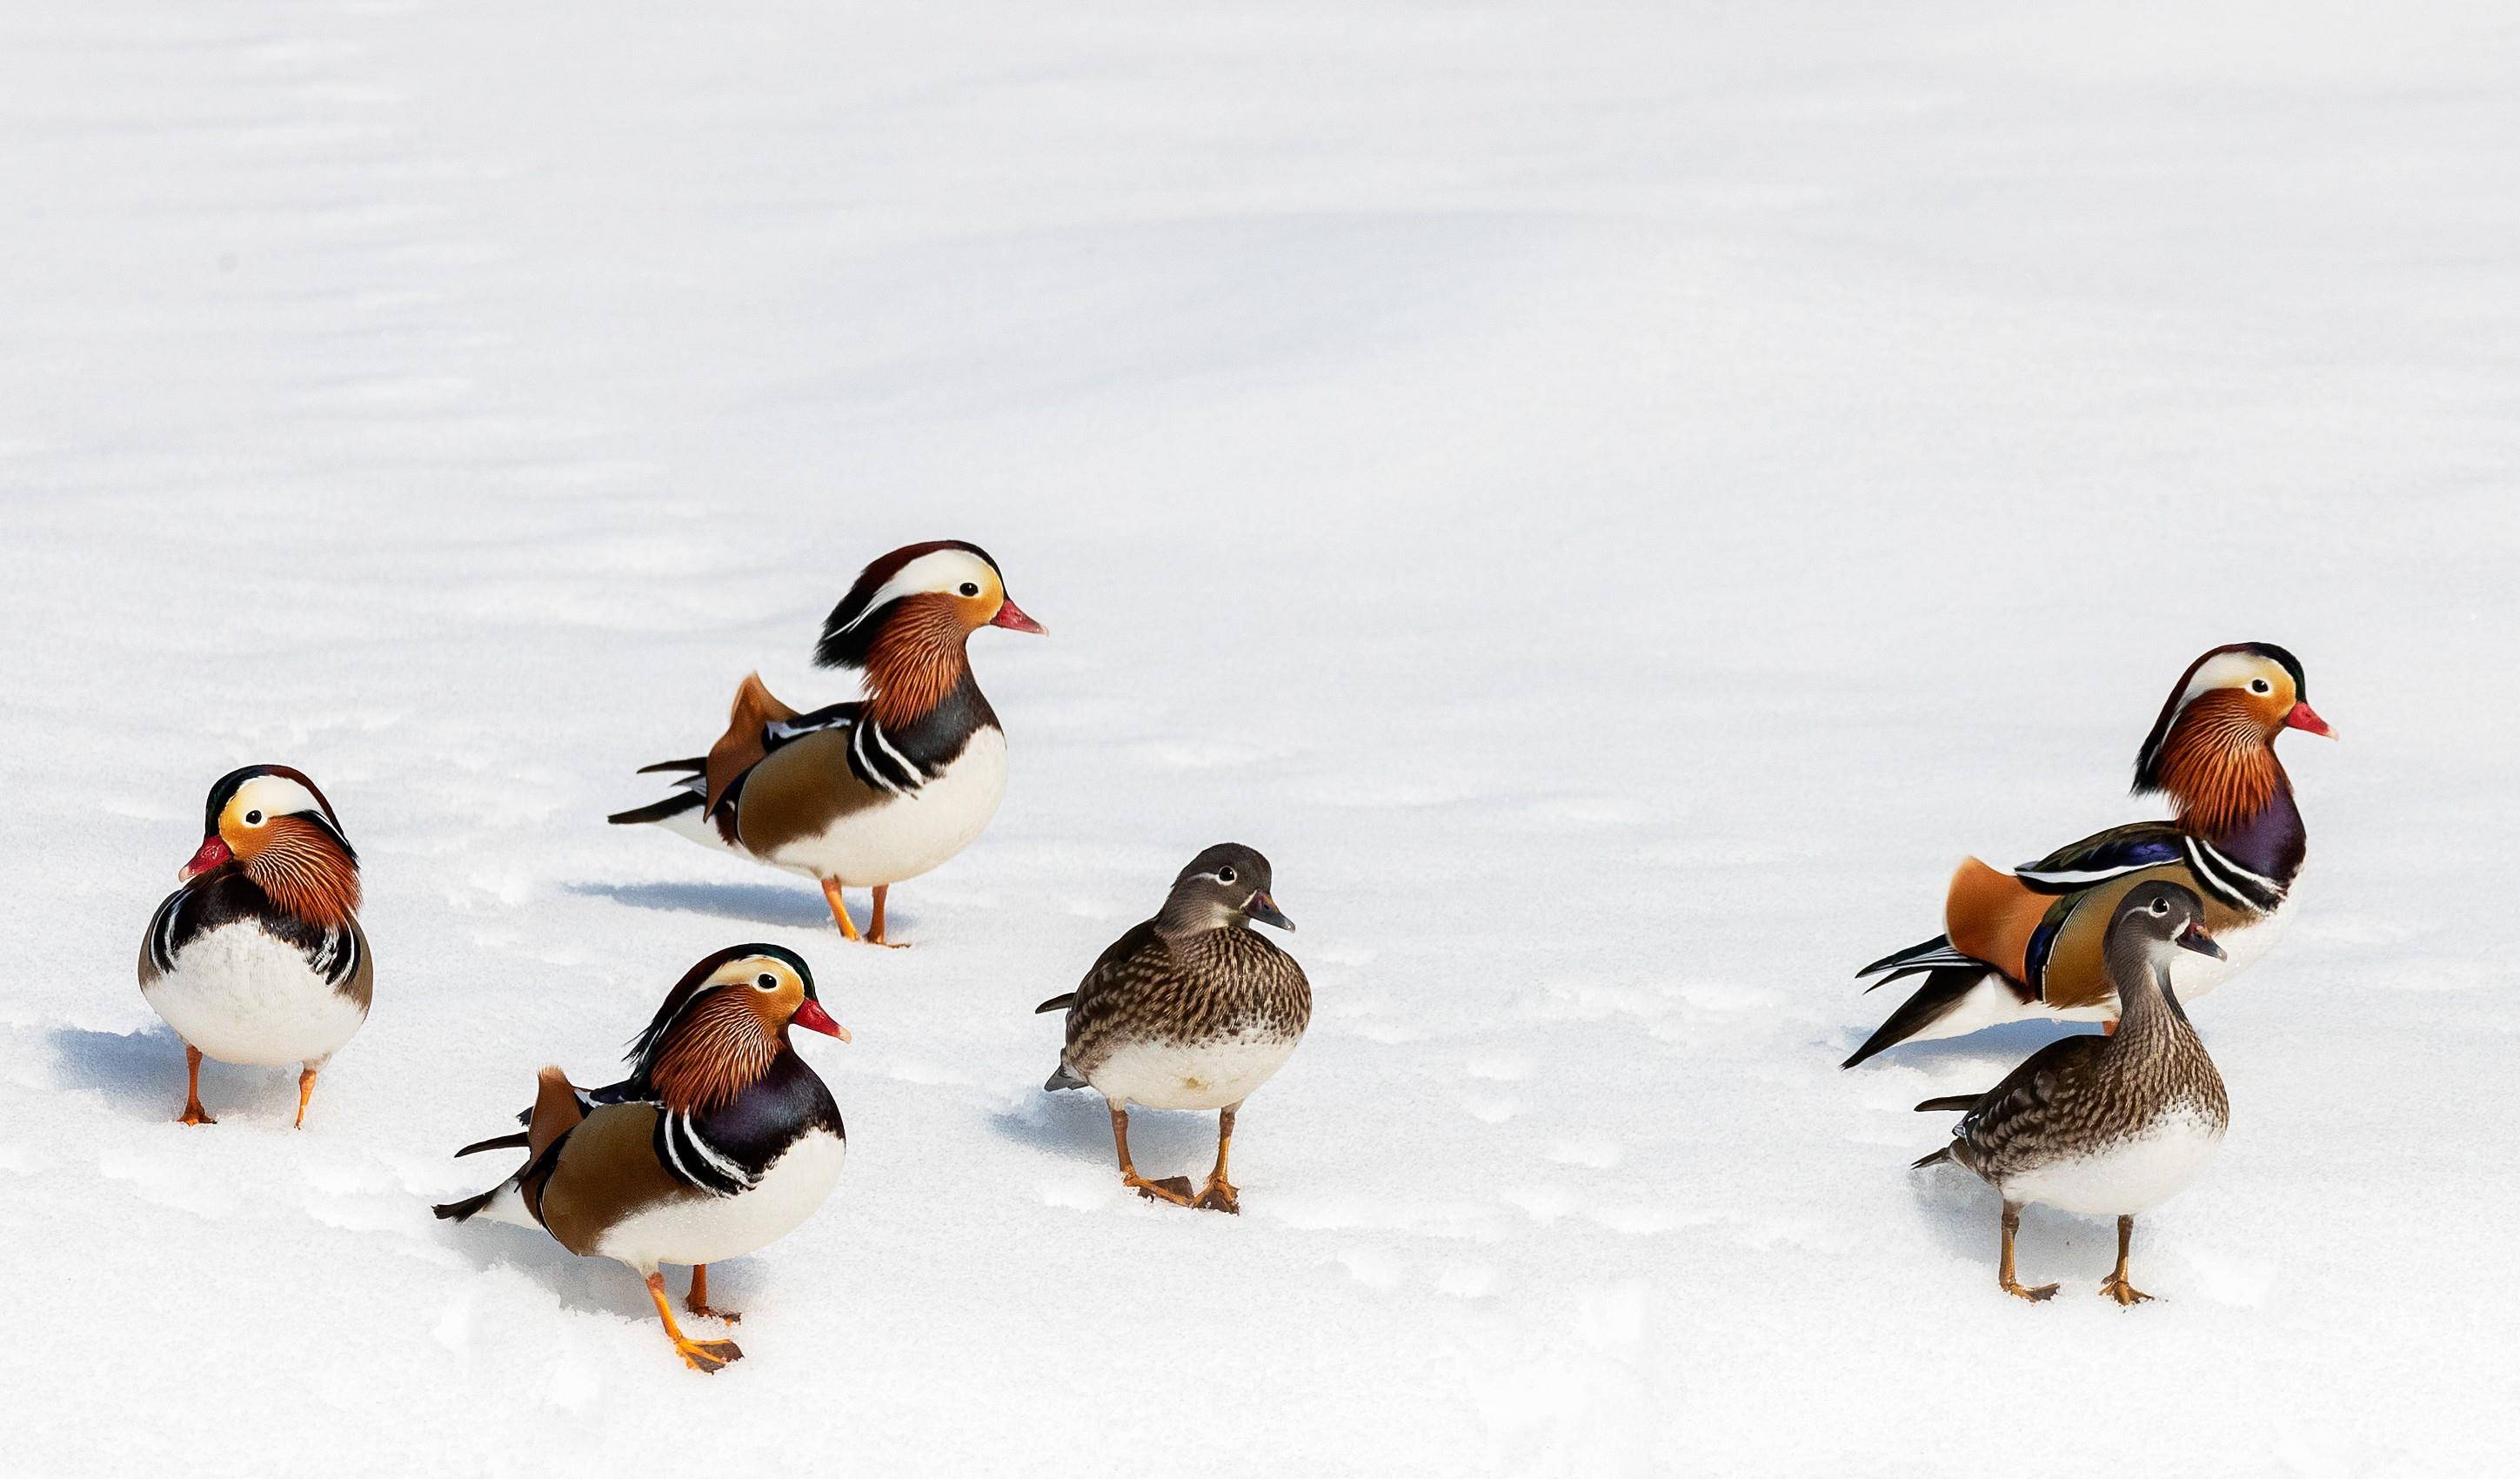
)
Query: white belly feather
[
  {"x": 903, "y": 837},
  {"x": 2125, "y": 1176},
  {"x": 698, "y": 1230},
  {"x": 1208, "y": 1075},
  {"x": 242, "y": 996}
]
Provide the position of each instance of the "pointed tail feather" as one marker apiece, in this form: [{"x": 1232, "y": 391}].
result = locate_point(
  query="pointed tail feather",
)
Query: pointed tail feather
[
  {"x": 1927, "y": 956},
  {"x": 1062, "y": 1078},
  {"x": 657, "y": 811},
  {"x": 692, "y": 766},
  {"x": 1960, "y": 1101},
  {"x": 458, "y": 1211},
  {"x": 1943, "y": 991},
  {"x": 1056, "y": 1004},
  {"x": 516, "y": 1141},
  {"x": 1922, "y": 1161}
]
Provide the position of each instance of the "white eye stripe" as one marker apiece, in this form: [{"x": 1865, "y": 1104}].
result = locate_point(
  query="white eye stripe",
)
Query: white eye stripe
[
  {"x": 2231, "y": 670},
  {"x": 935, "y": 574},
  {"x": 275, "y": 797}
]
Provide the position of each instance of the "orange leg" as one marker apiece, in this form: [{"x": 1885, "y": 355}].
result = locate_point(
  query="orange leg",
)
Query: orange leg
[
  {"x": 698, "y": 1355},
  {"x": 194, "y": 1113},
  {"x": 874, "y": 931},
  {"x": 1220, "y": 1194},
  {"x": 698, "y": 1303},
  {"x": 2117, "y": 1286},
  {"x": 2004, "y": 1271},
  {"x": 839, "y": 909},
  {"x": 306, "y": 1092},
  {"x": 1172, "y": 1189}
]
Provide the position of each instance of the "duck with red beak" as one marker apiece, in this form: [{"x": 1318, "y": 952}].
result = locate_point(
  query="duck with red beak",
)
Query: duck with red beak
[
  {"x": 2029, "y": 943},
  {"x": 866, "y": 794},
  {"x": 258, "y": 956},
  {"x": 721, "y": 1141}
]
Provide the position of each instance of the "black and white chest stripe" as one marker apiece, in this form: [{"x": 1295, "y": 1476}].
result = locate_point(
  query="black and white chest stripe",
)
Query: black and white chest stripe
[
  {"x": 2228, "y": 881},
  {"x": 726, "y": 1150},
  {"x": 686, "y": 1153},
  {"x": 225, "y": 901}
]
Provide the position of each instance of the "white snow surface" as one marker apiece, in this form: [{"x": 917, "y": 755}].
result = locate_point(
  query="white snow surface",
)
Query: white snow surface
[{"x": 1613, "y": 500}]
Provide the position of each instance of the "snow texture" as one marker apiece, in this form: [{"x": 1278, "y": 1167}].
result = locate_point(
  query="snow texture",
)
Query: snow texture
[{"x": 1613, "y": 500}]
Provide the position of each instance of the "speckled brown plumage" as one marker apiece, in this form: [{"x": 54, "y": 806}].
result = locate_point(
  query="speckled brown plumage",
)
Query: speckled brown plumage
[
  {"x": 2081, "y": 1094},
  {"x": 1214, "y": 984}
]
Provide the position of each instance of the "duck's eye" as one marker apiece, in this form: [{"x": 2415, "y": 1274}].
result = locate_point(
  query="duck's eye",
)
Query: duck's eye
[
  {"x": 1225, "y": 874},
  {"x": 2261, "y": 686},
  {"x": 253, "y": 819},
  {"x": 766, "y": 981},
  {"x": 2161, "y": 906},
  {"x": 970, "y": 588}
]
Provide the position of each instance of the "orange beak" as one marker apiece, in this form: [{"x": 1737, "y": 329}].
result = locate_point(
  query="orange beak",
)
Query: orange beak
[
  {"x": 813, "y": 1018},
  {"x": 2304, "y": 717},
  {"x": 214, "y": 852},
  {"x": 1012, "y": 618}
]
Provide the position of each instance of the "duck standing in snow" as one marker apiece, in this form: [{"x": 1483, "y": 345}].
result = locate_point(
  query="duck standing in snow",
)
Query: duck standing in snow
[
  {"x": 2027, "y": 943},
  {"x": 258, "y": 956},
  {"x": 1191, "y": 1009},
  {"x": 867, "y": 793},
  {"x": 721, "y": 1141},
  {"x": 2105, "y": 1125}
]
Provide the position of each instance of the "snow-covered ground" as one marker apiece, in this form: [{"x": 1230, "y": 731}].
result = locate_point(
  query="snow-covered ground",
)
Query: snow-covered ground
[{"x": 1613, "y": 500}]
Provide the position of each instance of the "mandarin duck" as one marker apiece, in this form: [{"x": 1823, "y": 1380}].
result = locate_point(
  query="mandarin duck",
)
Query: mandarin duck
[
  {"x": 721, "y": 1141},
  {"x": 1187, "y": 1011},
  {"x": 2105, "y": 1126},
  {"x": 864, "y": 794},
  {"x": 258, "y": 958},
  {"x": 2027, "y": 943}
]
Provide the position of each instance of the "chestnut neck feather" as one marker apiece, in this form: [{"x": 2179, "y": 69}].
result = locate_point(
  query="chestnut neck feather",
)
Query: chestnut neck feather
[
  {"x": 305, "y": 873},
  {"x": 717, "y": 1051},
  {"x": 916, "y": 660},
  {"x": 2218, "y": 767}
]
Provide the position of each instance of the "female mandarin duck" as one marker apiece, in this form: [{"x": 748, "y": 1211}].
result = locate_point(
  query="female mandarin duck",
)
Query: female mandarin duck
[
  {"x": 864, "y": 794},
  {"x": 2028, "y": 943},
  {"x": 258, "y": 958},
  {"x": 2104, "y": 1126},
  {"x": 1191, "y": 1010},
  {"x": 721, "y": 1141}
]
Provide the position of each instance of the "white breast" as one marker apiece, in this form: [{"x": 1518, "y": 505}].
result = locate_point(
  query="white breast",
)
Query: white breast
[
  {"x": 2192, "y": 975},
  {"x": 2126, "y": 1175},
  {"x": 699, "y": 1230},
  {"x": 244, "y": 996},
  {"x": 1209, "y": 1075},
  {"x": 903, "y": 837}
]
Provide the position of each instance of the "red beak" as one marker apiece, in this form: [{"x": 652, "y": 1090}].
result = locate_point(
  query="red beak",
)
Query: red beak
[
  {"x": 1012, "y": 617},
  {"x": 813, "y": 1018},
  {"x": 213, "y": 853},
  {"x": 2304, "y": 717}
]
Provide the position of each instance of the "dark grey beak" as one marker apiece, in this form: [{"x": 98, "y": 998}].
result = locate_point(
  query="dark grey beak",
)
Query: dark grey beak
[
  {"x": 1264, "y": 908},
  {"x": 2194, "y": 938}
]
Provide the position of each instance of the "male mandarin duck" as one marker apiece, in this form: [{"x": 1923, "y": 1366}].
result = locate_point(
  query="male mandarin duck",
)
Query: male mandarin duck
[
  {"x": 1187, "y": 1011},
  {"x": 258, "y": 956},
  {"x": 2027, "y": 943},
  {"x": 2105, "y": 1126},
  {"x": 721, "y": 1141},
  {"x": 864, "y": 794}
]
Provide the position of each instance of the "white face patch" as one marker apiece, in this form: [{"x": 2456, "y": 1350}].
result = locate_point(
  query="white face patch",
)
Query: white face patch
[
  {"x": 939, "y": 572},
  {"x": 267, "y": 797},
  {"x": 2232, "y": 670}
]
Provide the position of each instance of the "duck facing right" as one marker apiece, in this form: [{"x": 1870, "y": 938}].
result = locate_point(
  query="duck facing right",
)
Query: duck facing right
[
  {"x": 2104, "y": 1126},
  {"x": 1191, "y": 1010}
]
